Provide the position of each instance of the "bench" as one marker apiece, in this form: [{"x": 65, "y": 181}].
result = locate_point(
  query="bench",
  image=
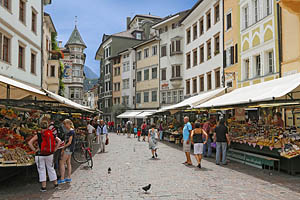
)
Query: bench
[{"x": 252, "y": 159}]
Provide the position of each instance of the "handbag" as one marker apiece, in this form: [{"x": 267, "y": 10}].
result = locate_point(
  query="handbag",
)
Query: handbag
[{"x": 106, "y": 141}]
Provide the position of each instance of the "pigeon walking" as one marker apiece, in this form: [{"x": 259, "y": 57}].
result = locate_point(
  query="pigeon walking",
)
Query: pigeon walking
[
  {"x": 109, "y": 170},
  {"x": 146, "y": 188}
]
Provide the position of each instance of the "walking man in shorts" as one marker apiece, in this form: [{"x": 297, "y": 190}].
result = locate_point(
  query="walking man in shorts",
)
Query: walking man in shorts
[{"x": 187, "y": 140}]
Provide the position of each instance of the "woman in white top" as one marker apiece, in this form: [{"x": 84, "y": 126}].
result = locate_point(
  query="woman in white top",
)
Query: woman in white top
[
  {"x": 91, "y": 130},
  {"x": 153, "y": 136}
]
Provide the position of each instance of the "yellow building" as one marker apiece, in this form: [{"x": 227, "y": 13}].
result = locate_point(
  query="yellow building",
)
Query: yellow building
[
  {"x": 117, "y": 79},
  {"x": 290, "y": 29},
  {"x": 259, "y": 42},
  {"x": 231, "y": 42},
  {"x": 147, "y": 74}
]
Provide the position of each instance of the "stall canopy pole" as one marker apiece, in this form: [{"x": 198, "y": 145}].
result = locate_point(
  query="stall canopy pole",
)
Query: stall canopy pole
[{"x": 8, "y": 92}]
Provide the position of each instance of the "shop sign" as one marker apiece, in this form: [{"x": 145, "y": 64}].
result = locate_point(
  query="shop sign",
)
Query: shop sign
[
  {"x": 67, "y": 68},
  {"x": 240, "y": 114},
  {"x": 165, "y": 86}
]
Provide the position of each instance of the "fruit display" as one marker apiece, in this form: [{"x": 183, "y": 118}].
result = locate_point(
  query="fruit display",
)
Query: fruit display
[{"x": 17, "y": 155}]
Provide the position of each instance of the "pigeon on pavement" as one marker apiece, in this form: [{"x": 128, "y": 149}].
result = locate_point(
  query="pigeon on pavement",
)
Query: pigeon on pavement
[
  {"x": 146, "y": 188},
  {"x": 109, "y": 170}
]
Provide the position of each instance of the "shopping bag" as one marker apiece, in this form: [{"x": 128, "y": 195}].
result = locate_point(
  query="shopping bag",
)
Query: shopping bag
[
  {"x": 107, "y": 141},
  {"x": 213, "y": 145}
]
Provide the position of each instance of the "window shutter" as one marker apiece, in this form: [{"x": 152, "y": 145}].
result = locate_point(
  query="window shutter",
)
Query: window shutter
[
  {"x": 224, "y": 58},
  {"x": 232, "y": 55},
  {"x": 236, "y": 53}
]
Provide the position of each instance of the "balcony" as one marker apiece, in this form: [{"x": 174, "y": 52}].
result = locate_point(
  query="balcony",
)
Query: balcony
[
  {"x": 176, "y": 82},
  {"x": 174, "y": 53},
  {"x": 106, "y": 94},
  {"x": 77, "y": 80},
  {"x": 78, "y": 61}
]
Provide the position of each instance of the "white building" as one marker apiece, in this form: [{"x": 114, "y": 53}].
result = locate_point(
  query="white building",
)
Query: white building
[
  {"x": 171, "y": 35},
  {"x": 128, "y": 65},
  {"x": 21, "y": 40},
  {"x": 203, "y": 48}
]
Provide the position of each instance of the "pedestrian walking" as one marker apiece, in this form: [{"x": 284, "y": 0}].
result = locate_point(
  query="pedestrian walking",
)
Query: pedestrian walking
[
  {"x": 44, "y": 154},
  {"x": 144, "y": 131},
  {"x": 207, "y": 150},
  {"x": 135, "y": 130},
  {"x": 222, "y": 139},
  {"x": 139, "y": 133},
  {"x": 91, "y": 131},
  {"x": 197, "y": 140},
  {"x": 161, "y": 131},
  {"x": 103, "y": 133},
  {"x": 129, "y": 124},
  {"x": 119, "y": 129},
  {"x": 66, "y": 152},
  {"x": 186, "y": 140},
  {"x": 153, "y": 136}
]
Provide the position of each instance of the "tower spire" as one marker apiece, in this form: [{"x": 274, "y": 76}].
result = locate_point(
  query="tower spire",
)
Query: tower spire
[{"x": 76, "y": 21}]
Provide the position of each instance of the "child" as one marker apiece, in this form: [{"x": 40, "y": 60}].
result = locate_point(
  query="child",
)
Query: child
[
  {"x": 139, "y": 132},
  {"x": 135, "y": 131}
]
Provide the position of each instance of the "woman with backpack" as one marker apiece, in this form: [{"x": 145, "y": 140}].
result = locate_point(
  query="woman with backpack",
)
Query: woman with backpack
[
  {"x": 44, "y": 154},
  {"x": 153, "y": 136},
  {"x": 67, "y": 151}
]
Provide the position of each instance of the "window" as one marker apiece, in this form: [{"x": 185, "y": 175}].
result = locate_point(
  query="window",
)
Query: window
[
  {"x": 217, "y": 44},
  {"x": 146, "y": 74},
  {"x": 176, "y": 71},
  {"x": 201, "y": 26},
  {"x": 138, "y": 97},
  {"x": 188, "y": 36},
  {"x": 22, "y": 11},
  {"x": 208, "y": 20},
  {"x": 160, "y": 31},
  {"x": 247, "y": 69},
  {"x": 52, "y": 70},
  {"x": 138, "y": 36},
  {"x": 169, "y": 97},
  {"x": 175, "y": 46},
  {"x": 229, "y": 22},
  {"x": 218, "y": 78},
  {"x": 125, "y": 100},
  {"x": 139, "y": 55},
  {"x": 195, "y": 59},
  {"x": 188, "y": 87},
  {"x": 271, "y": 62},
  {"x": 269, "y": 7},
  {"x": 5, "y": 4},
  {"x": 154, "y": 73},
  {"x": 217, "y": 13},
  {"x": 126, "y": 84},
  {"x": 246, "y": 17},
  {"x": 209, "y": 81},
  {"x": 71, "y": 91},
  {"x": 201, "y": 53},
  {"x": 164, "y": 74},
  {"x": 166, "y": 28},
  {"x": 175, "y": 97},
  {"x": 163, "y": 51},
  {"x": 180, "y": 95},
  {"x": 139, "y": 76},
  {"x": 146, "y": 53},
  {"x": 188, "y": 60},
  {"x": 201, "y": 83},
  {"x": 33, "y": 21},
  {"x": 133, "y": 82},
  {"x": 256, "y": 10},
  {"x": 33, "y": 63},
  {"x": 208, "y": 44},
  {"x": 47, "y": 73},
  {"x": 5, "y": 48},
  {"x": 154, "y": 96},
  {"x": 258, "y": 65},
  {"x": 195, "y": 85},
  {"x": 164, "y": 97},
  {"x": 154, "y": 50},
  {"x": 195, "y": 29},
  {"x": 21, "y": 63},
  {"x": 146, "y": 97},
  {"x": 230, "y": 56},
  {"x": 126, "y": 67},
  {"x": 178, "y": 44}
]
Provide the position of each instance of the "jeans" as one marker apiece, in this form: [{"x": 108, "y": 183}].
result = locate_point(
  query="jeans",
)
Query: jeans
[
  {"x": 221, "y": 147},
  {"x": 161, "y": 135},
  {"x": 207, "y": 147}
]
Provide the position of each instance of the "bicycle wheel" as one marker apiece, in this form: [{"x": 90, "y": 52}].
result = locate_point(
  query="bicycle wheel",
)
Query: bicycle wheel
[
  {"x": 79, "y": 154},
  {"x": 89, "y": 159}
]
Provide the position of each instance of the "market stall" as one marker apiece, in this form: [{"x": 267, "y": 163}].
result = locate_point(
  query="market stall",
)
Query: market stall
[{"x": 269, "y": 133}]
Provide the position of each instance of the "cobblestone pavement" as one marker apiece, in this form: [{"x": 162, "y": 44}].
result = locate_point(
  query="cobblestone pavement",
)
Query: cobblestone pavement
[{"x": 132, "y": 168}]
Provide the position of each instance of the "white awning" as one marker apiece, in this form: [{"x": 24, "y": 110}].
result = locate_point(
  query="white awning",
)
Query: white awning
[
  {"x": 67, "y": 102},
  {"x": 267, "y": 91},
  {"x": 145, "y": 114},
  {"x": 195, "y": 100},
  {"x": 130, "y": 114}
]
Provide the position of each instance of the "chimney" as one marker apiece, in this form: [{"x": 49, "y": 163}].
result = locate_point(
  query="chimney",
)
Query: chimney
[
  {"x": 128, "y": 19},
  {"x": 60, "y": 44}
]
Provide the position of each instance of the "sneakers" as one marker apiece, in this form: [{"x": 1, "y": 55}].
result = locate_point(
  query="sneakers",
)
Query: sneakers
[
  {"x": 155, "y": 154},
  {"x": 43, "y": 189},
  {"x": 61, "y": 181},
  {"x": 68, "y": 180},
  {"x": 153, "y": 157},
  {"x": 199, "y": 166}
]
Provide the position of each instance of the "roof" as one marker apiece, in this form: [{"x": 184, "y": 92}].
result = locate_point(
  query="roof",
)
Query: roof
[
  {"x": 124, "y": 34},
  {"x": 171, "y": 17},
  {"x": 50, "y": 20},
  {"x": 75, "y": 38},
  {"x": 191, "y": 10},
  {"x": 144, "y": 16},
  {"x": 267, "y": 91},
  {"x": 136, "y": 114}
]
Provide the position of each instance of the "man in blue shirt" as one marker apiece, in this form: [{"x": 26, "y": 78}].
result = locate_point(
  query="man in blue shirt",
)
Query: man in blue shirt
[
  {"x": 101, "y": 131},
  {"x": 187, "y": 140}
]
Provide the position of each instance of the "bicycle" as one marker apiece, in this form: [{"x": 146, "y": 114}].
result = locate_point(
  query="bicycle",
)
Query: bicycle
[{"x": 82, "y": 153}]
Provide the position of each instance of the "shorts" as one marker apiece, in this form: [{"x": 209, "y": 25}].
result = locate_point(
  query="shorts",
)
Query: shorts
[
  {"x": 186, "y": 147},
  {"x": 68, "y": 152},
  {"x": 198, "y": 148},
  {"x": 144, "y": 132}
]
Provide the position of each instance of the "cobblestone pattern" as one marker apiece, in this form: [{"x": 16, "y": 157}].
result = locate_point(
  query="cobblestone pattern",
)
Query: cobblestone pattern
[{"x": 132, "y": 168}]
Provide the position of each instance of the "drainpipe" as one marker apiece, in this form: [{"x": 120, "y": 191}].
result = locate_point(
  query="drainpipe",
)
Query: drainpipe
[
  {"x": 135, "y": 71},
  {"x": 158, "y": 71},
  {"x": 279, "y": 25},
  {"x": 223, "y": 44},
  {"x": 42, "y": 43}
]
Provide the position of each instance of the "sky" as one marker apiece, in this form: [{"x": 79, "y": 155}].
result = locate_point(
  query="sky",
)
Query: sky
[{"x": 98, "y": 17}]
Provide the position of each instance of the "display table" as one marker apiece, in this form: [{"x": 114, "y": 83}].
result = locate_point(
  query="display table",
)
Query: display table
[
  {"x": 171, "y": 137},
  {"x": 291, "y": 166}
]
